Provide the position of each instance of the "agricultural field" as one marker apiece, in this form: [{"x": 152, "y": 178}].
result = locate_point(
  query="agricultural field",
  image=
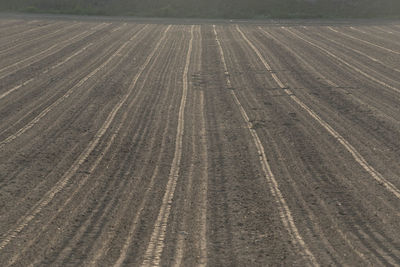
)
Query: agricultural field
[{"x": 178, "y": 143}]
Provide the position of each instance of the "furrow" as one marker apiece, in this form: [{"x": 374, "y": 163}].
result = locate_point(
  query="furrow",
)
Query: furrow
[
  {"x": 356, "y": 155},
  {"x": 23, "y": 84},
  {"x": 73, "y": 195},
  {"x": 284, "y": 210},
  {"x": 39, "y": 98},
  {"x": 58, "y": 46},
  {"x": 366, "y": 42},
  {"x": 156, "y": 244},
  {"x": 66, "y": 95},
  {"x": 346, "y": 63},
  {"x": 50, "y": 68},
  {"x": 334, "y": 85},
  {"x": 358, "y": 52},
  {"x": 305, "y": 153},
  {"x": 57, "y": 128},
  {"x": 94, "y": 142},
  {"x": 24, "y": 34},
  {"x": 196, "y": 185},
  {"x": 25, "y": 220},
  {"x": 37, "y": 38},
  {"x": 102, "y": 246}
]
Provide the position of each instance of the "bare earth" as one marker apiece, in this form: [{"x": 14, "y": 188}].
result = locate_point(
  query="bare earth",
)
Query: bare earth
[{"x": 177, "y": 143}]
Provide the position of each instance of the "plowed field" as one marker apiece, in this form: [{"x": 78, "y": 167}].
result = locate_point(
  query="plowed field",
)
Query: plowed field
[{"x": 178, "y": 143}]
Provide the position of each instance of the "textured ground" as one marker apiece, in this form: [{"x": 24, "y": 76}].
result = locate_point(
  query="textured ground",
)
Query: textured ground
[{"x": 128, "y": 143}]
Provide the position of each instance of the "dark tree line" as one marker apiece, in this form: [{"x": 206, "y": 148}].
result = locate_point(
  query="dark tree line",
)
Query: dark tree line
[{"x": 213, "y": 8}]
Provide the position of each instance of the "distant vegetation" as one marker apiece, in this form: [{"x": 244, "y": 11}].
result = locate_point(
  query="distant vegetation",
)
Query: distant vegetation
[{"x": 213, "y": 8}]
